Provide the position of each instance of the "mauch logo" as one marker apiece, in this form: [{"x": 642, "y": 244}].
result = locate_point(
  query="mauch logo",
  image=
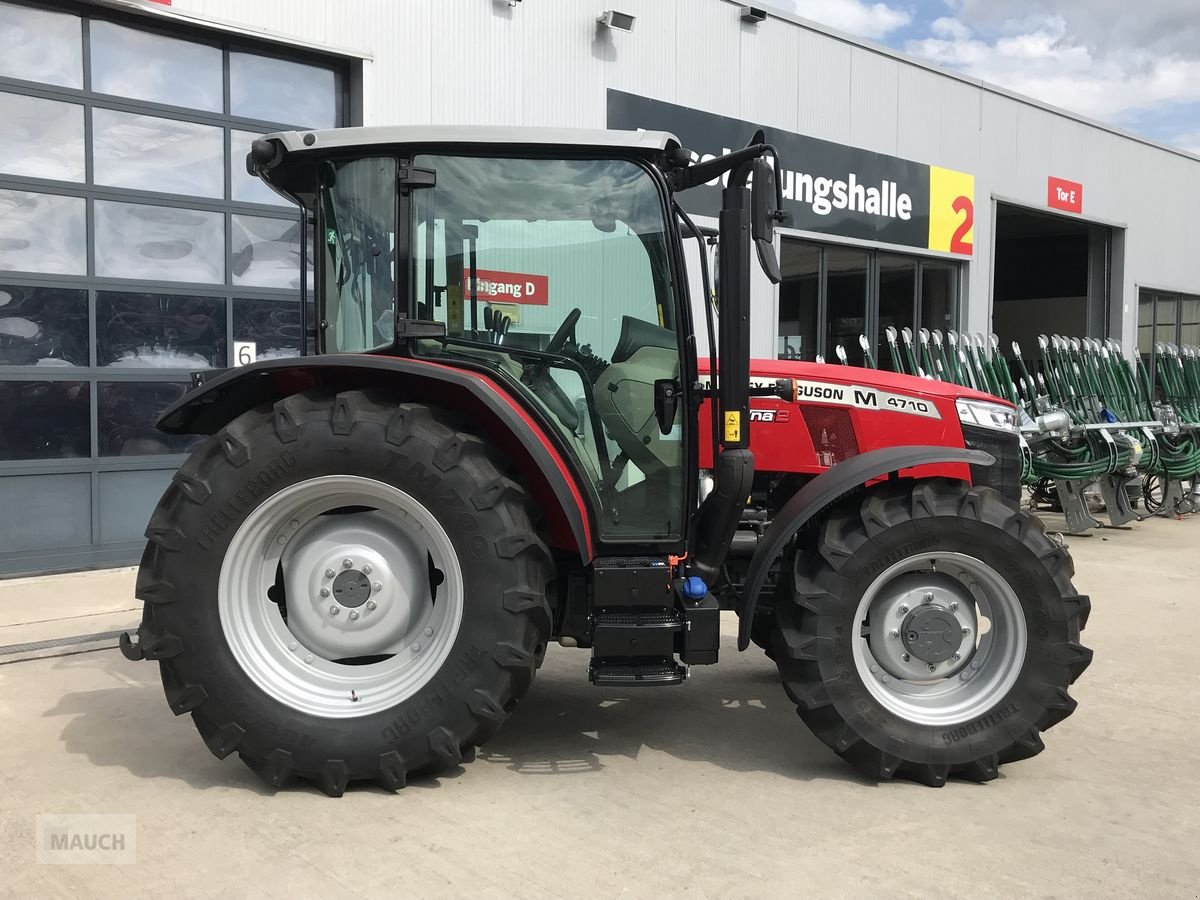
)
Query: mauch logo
[{"x": 86, "y": 839}]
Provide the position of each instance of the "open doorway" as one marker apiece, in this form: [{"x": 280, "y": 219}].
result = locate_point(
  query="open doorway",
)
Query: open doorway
[{"x": 1052, "y": 275}]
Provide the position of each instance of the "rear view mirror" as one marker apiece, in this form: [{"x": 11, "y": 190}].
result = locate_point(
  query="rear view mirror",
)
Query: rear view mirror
[{"x": 764, "y": 211}]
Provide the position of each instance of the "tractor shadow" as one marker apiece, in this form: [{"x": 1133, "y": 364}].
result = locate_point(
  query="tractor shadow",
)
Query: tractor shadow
[{"x": 735, "y": 716}]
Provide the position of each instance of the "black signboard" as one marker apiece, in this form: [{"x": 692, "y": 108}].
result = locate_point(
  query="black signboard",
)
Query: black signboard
[{"x": 828, "y": 188}]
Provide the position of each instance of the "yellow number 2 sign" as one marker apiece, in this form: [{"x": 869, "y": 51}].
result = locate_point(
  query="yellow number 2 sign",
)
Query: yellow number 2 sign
[{"x": 951, "y": 211}]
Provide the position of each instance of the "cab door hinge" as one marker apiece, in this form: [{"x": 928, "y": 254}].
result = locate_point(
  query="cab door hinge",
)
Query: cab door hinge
[{"x": 413, "y": 177}]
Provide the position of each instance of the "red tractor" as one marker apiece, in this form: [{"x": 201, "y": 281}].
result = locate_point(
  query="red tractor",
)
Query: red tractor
[{"x": 507, "y": 436}]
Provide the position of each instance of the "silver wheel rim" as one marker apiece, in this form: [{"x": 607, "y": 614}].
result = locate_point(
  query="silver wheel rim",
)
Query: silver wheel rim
[
  {"x": 361, "y": 562},
  {"x": 932, "y": 590}
]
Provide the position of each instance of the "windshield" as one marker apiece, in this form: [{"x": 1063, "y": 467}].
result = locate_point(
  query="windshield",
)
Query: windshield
[
  {"x": 555, "y": 273},
  {"x": 357, "y": 241}
]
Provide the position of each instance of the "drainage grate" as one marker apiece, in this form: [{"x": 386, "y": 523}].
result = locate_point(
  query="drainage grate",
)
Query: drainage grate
[{"x": 60, "y": 642}]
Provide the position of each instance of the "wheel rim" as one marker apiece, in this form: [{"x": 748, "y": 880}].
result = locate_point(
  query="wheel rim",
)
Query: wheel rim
[
  {"x": 373, "y": 588},
  {"x": 912, "y": 610}
]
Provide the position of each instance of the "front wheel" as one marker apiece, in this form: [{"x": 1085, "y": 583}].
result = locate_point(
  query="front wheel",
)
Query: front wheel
[
  {"x": 340, "y": 588},
  {"x": 932, "y": 633}
]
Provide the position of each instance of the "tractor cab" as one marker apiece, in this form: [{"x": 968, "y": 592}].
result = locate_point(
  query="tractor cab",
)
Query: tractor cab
[{"x": 550, "y": 261}]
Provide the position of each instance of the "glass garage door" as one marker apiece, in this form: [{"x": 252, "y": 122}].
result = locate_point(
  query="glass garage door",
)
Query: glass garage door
[{"x": 134, "y": 249}]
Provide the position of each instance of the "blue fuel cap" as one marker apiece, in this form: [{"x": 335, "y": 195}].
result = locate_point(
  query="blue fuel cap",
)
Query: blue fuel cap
[{"x": 694, "y": 587}]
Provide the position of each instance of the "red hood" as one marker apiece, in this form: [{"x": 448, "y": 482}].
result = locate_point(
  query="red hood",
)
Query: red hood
[{"x": 878, "y": 378}]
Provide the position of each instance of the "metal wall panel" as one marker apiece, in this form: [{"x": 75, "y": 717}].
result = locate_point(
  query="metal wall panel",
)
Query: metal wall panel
[
  {"x": 708, "y": 55},
  {"x": 771, "y": 86},
  {"x": 476, "y": 56},
  {"x": 919, "y": 122},
  {"x": 874, "y": 98},
  {"x": 824, "y": 75}
]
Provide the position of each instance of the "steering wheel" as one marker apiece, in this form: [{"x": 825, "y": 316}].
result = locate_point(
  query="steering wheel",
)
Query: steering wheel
[
  {"x": 566, "y": 332},
  {"x": 543, "y": 384}
]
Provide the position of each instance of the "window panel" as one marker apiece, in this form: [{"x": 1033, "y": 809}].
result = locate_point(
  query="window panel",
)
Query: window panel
[
  {"x": 43, "y": 327},
  {"x": 153, "y": 67},
  {"x": 40, "y": 45},
  {"x": 273, "y": 325},
  {"x": 266, "y": 252},
  {"x": 897, "y": 300},
  {"x": 158, "y": 242},
  {"x": 277, "y": 90},
  {"x": 247, "y": 188},
  {"x": 42, "y": 233},
  {"x": 44, "y": 419},
  {"x": 939, "y": 295},
  {"x": 846, "y": 293},
  {"x": 127, "y": 411},
  {"x": 149, "y": 153},
  {"x": 1166, "y": 318},
  {"x": 1145, "y": 323},
  {"x": 1189, "y": 320},
  {"x": 798, "y": 294},
  {"x": 42, "y": 138},
  {"x": 153, "y": 331}
]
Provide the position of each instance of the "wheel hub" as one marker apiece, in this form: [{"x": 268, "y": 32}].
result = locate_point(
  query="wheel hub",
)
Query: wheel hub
[
  {"x": 931, "y": 634},
  {"x": 351, "y": 588},
  {"x": 355, "y": 585},
  {"x": 923, "y": 626}
]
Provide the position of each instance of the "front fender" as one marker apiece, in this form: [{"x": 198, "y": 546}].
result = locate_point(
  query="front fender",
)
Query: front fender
[
  {"x": 820, "y": 493},
  {"x": 483, "y": 401}
]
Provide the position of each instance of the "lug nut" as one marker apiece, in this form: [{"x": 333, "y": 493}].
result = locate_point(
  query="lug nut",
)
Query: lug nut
[
  {"x": 378, "y": 585},
  {"x": 329, "y": 573},
  {"x": 370, "y": 604},
  {"x": 334, "y": 609},
  {"x": 957, "y": 657},
  {"x": 929, "y": 596},
  {"x": 905, "y": 657},
  {"x": 324, "y": 592},
  {"x": 932, "y": 667},
  {"x": 953, "y": 605},
  {"x": 428, "y": 632},
  {"x": 353, "y": 614},
  {"x": 966, "y": 631},
  {"x": 895, "y": 633},
  {"x": 347, "y": 563},
  {"x": 366, "y": 569},
  {"x": 903, "y": 608}
]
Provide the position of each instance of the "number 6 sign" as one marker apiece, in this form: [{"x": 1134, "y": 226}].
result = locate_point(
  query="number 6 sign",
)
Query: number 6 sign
[{"x": 951, "y": 211}]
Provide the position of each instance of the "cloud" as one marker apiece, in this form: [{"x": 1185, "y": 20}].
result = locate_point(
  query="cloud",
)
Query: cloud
[
  {"x": 870, "y": 20},
  {"x": 1042, "y": 57}
]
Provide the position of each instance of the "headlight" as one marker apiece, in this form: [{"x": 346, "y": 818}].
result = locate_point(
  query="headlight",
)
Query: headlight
[{"x": 987, "y": 415}]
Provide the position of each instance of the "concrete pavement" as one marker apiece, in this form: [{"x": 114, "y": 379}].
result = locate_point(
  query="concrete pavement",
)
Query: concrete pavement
[{"x": 712, "y": 789}]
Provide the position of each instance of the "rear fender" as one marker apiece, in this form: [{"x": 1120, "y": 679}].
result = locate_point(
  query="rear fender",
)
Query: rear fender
[
  {"x": 822, "y": 492},
  {"x": 482, "y": 400}
]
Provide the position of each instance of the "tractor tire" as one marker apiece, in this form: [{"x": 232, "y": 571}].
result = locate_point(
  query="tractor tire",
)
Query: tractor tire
[
  {"x": 933, "y": 633},
  {"x": 263, "y": 553}
]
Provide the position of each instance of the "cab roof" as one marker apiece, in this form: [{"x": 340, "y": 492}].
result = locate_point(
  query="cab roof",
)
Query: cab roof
[{"x": 647, "y": 143}]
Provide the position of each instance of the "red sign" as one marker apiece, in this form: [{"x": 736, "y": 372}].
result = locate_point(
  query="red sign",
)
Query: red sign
[
  {"x": 510, "y": 287},
  {"x": 1065, "y": 195}
]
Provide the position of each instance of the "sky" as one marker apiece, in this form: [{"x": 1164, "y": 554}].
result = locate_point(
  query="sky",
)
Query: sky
[{"x": 1131, "y": 63}]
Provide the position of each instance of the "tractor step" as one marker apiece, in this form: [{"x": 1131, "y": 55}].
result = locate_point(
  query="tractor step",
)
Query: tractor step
[{"x": 649, "y": 674}]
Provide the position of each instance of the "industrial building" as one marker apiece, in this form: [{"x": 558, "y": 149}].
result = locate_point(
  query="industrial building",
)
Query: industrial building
[{"x": 134, "y": 249}]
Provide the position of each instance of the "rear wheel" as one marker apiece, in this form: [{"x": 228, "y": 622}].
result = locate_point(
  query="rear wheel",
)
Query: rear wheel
[
  {"x": 933, "y": 634},
  {"x": 343, "y": 589}
]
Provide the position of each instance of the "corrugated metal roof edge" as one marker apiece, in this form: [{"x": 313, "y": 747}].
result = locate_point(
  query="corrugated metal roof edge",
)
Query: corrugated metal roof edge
[{"x": 872, "y": 46}]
